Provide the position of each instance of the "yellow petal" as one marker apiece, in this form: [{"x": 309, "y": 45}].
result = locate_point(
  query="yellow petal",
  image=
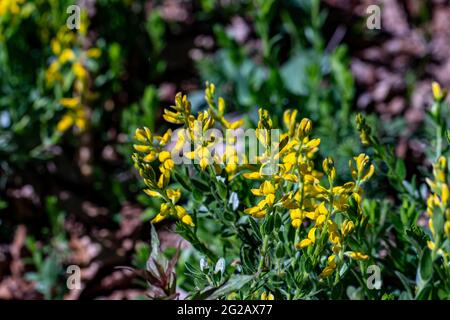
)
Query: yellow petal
[
  {"x": 152, "y": 193},
  {"x": 79, "y": 70},
  {"x": 257, "y": 192},
  {"x": 296, "y": 223},
  {"x": 268, "y": 188},
  {"x": 320, "y": 220},
  {"x": 204, "y": 163},
  {"x": 252, "y": 175},
  {"x": 326, "y": 272},
  {"x": 296, "y": 214},
  {"x": 187, "y": 219},
  {"x": 151, "y": 156},
  {"x": 70, "y": 103},
  {"x": 164, "y": 155},
  {"x": 173, "y": 195},
  {"x": 312, "y": 235},
  {"x": 357, "y": 255},
  {"x": 158, "y": 218},
  {"x": 444, "y": 194},
  {"x": 181, "y": 212},
  {"x": 94, "y": 53},
  {"x": 142, "y": 148},
  {"x": 304, "y": 243},
  {"x": 313, "y": 143},
  {"x": 65, "y": 123}
]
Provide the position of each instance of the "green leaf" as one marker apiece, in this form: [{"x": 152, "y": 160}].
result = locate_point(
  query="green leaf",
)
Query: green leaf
[
  {"x": 269, "y": 224},
  {"x": 406, "y": 283},
  {"x": 294, "y": 73},
  {"x": 182, "y": 181},
  {"x": 400, "y": 169},
  {"x": 426, "y": 266},
  {"x": 438, "y": 223},
  {"x": 279, "y": 252},
  {"x": 200, "y": 185},
  {"x": 425, "y": 293},
  {"x": 235, "y": 283},
  {"x": 221, "y": 190},
  {"x": 255, "y": 228}
]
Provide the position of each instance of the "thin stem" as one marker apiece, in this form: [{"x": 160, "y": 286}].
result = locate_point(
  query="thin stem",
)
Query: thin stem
[{"x": 263, "y": 253}]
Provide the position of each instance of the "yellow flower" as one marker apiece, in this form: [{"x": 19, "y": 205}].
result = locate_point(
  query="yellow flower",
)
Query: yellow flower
[
  {"x": 167, "y": 163},
  {"x": 438, "y": 93},
  {"x": 329, "y": 269},
  {"x": 359, "y": 173},
  {"x": 267, "y": 296},
  {"x": 164, "y": 139},
  {"x": 56, "y": 46},
  {"x": 184, "y": 216},
  {"x": 328, "y": 168},
  {"x": 152, "y": 193},
  {"x": 265, "y": 189},
  {"x": 447, "y": 228},
  {"x": 347, "y": 227},
  {"x": 79, "y": 71},
  {"x": 76, "y": 117},
  {"x": 444, "y": 194},
  {"x": 265, "y": 122},
  {"x": 65, "y": 123},
  {"x": 10, "y": 6},
  {"x": 182, "y": 111},
  {"x": 143, "y": 135},
  {"x": 252, "y": 175},
  {"x": 289, "y": 118},
  {"x": 260, "y": 210},
  {"x": 364, "y": 130},
  {"x": 163, "y": 212},
  {"x": 357, "y": 255},
  {"x": 309, "y": 241},
  {"x": 297, "y": 216},
  {"x": 168, "y": 208},
  {"x": 305, "y": 127},
  {"x": 218, "y": 111},
  {"x": 173, "y": 195},
  {"x": 67, "y": 55},
  {"x": 438, "y": 200},
  {"x": 319, "y": 214},
  {"x": 70, "y": 103},
  {"x": 94, "y": 53}
]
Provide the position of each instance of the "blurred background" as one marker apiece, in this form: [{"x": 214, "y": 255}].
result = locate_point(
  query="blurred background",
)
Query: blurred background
[{"x": 70, "y": 101}]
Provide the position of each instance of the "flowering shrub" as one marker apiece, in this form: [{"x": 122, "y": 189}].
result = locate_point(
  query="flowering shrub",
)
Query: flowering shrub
[
  {"x": 291, "y": 231},
  {"x": 419, "y": 257},
  {"x": 289, "y": 201}
]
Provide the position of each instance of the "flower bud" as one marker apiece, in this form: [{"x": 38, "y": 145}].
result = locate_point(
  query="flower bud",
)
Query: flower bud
[
  {"x": 304, "y": 128},
  {"x": 328, "y": 166}
]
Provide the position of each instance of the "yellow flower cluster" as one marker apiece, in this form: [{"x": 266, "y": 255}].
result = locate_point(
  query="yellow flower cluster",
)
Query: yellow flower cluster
[
  {"x": 291, "y": 183},
  {"x": 195, "y": 129},
  {"x": 267, "y": 296},
  {"x": 217, "y": 110},
  {"x": 151, "y": 148},
  {"x": 297, "y": 187},
  {"x": 438, "y": 202},
  {"x": 68, "y": 55},
  {"x": 10, "y": 7}
]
